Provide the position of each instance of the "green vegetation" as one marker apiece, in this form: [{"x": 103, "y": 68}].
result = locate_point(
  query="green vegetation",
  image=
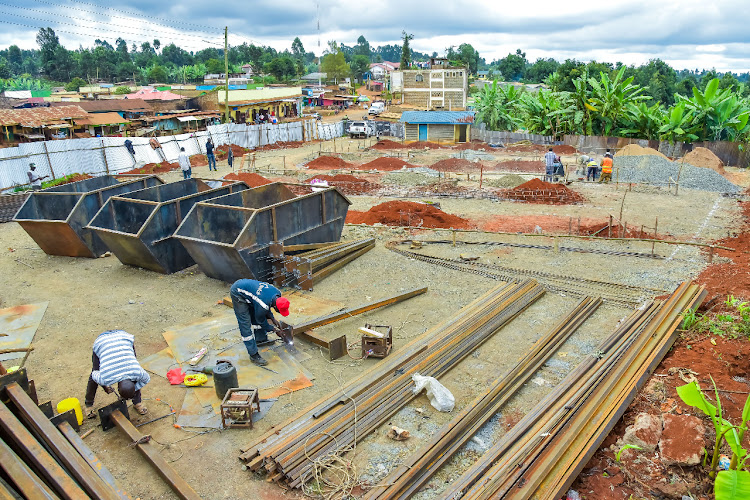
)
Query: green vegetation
[
  {"x": 48, "y": 184},
  {"x": 733, "y": 324}
]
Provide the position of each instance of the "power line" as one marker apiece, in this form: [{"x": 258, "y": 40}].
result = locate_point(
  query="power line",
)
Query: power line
[
  {"x": 87, "y": 35},
  {"x": 132, "y": 14},
  {"x": 117, "y": 31}
]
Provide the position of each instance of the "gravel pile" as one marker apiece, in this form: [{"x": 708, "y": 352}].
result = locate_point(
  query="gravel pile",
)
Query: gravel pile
[
  {"x": 412, "y": 176},
  {"x": 471, "y": 155},
  {"x": 506, "y": 181},
  {"x": 657, "y": 170}
]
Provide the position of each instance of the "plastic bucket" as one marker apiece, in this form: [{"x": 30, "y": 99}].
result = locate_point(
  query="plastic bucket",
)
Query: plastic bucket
[{"x": 71, "y": 404}]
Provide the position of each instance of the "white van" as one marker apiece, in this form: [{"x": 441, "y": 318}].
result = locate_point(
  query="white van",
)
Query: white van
[{"x": 376, "y": 108}]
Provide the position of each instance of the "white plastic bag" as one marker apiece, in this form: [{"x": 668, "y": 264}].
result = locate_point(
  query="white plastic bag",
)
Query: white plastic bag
[{"x": 440, "y": 398}]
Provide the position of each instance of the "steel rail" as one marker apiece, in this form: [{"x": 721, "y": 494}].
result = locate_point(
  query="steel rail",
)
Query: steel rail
[
  {"x": 414, "y": 472},
  {"x": 44, "y": 464},
  {"x": 54, "y": 440}
]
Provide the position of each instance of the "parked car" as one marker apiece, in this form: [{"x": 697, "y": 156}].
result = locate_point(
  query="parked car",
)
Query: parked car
[
  {"x": 358, "y": 129},
  {"x": 376, "y": 108}
]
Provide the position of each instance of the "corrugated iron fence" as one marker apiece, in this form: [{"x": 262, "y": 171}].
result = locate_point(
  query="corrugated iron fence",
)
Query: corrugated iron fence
[{"x": 102, "y": 155}]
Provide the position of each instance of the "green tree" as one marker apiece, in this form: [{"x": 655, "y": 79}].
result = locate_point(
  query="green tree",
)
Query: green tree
[
  {"x": 15, "y": 59},
  {"x": 282, "y": 68},
  {"x": 611, "y": 97},
  {"x": 156, "y": 44},
  {"x": 499, "y": 107},
  {"x": 405, "y": 50},
  {"x": 157, "y": 74},
  {"x": 469, "y": 57},
  {"x": 335, "y": 67},
  {"x": 362, "y": 48},
  {"x": 360, "y": 65},
  {"x": 549, "y": 113},
  {"x": 75, "y": 84},
  {"x": 122, "y": 90},
  {"x": 5, "y": 68},
  {"x": 298, "y": 50},
  {"x": 541, "y": 69},
  {"x": 214, "y": 66},
  {"x": 513, "y": 66}
]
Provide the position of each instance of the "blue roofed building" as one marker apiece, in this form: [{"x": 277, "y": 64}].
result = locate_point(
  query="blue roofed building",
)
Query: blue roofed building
[{"x": 437, "y": 126}]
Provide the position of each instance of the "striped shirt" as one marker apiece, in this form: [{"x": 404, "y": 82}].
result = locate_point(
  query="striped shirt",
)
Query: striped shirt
[
  {"x": 549, "y": 159},
  {"x": 117, "y": 360}
]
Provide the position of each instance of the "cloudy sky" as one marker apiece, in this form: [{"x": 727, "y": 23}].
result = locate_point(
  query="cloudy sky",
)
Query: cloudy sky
[{"x": 685, "y": 33}]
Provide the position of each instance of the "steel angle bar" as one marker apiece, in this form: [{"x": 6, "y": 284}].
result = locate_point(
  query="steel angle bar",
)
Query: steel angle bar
[
  {"x": 73, "y": 462},
  {"x": 419, "y": 467},
  {"x": 326, "y": 271},
  {"x": 98, "y": 467},
  {"x": 35, "y": 454},
  {"x": 23, "y": 478},
  {"x": 175, "y": 481}
]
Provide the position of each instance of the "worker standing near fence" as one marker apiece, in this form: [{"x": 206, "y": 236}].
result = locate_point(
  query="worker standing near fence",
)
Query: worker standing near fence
[
  {"x": 549, "y": 165},
  {"x": 34, "y": 178},
  {"x": 606, "y": 169},
  {"x": 210, "y": 155},
  {"x": 184, "y": 160}
]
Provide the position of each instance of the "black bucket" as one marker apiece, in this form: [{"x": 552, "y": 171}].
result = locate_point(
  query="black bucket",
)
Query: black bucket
[{"x": 225, "y": 378}]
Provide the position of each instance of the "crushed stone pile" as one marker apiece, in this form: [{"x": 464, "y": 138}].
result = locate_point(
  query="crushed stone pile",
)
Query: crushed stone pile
[
  {"x": 385, "y": 163},
  {"x": 659, "y": 170},
  {"x": 636, "y": 150},
  {"x": 408, "y": 214},
  {"x": 538, "y": 191},
  {"x": 251, "y": 179},
  {"x": 412, "y": 176},
  {"x": 705, "y": 158},
  {"x": 472, "y": 155},
  {"x": 329, "y": 163},
  {"x": 506, "y": 181},
  {"x": 348, "y": 184}
]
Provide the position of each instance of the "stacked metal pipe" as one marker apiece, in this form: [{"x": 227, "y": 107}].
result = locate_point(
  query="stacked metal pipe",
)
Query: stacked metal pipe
[{"x": 288, "y": 452}]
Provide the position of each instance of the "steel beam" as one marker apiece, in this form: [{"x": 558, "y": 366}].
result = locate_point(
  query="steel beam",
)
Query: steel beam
[
  {"x": 23, "y": 478},
  {"x": 68, "y": 456},
  {"x": 148, "y": 450}
]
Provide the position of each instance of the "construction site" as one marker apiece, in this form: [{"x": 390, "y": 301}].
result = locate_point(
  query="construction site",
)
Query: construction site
[{"x": 461, "y": 325}]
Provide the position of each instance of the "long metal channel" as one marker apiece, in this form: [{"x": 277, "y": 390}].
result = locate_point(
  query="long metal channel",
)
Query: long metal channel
[
  {"x": 279, "y": 436},
  {"x": 68, "y": 456},
  {"x": 558, "y": 466},
  {"x": 35, "y": 454},
  {"x": 424, "y": 463},
  {"x": 323, "y": 259},
  {"x": 7, "y": 492},
  {"x": 23, "y": 478},
  {"x": 98, "y": 467},
  {"x": 446, "y": 355},
  {"x": 525, "y": 430},
  {"x": 175, "y": 481},
  {"x": 324, "y": 272},
  {"x": 328, "y": 252},
  {"x": 365, "y": 384}
]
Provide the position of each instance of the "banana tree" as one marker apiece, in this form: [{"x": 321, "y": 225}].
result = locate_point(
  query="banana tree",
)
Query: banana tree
[
  {"x": 549, "y": 113},
  {"x": 643, "y": 121},
  {"x": 730, "y": 120},
  {"x": 498, "y": 108},
  {"x": 610, "y": 99},
  {"x": 679, "y": 125},
  {"x": 582, "y": 119},
  {"x": 703, "y": 105}
]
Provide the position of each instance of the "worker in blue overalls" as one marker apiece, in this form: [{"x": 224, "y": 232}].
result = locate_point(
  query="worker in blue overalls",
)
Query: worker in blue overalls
[{"x": 254, "y": 302}]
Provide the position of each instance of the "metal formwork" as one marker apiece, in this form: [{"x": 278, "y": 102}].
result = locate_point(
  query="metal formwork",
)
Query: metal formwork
[
  {"x": 229, "y": 237},
  {"x": 56, "y": 218},
  {"x": 138, "y": 227}
]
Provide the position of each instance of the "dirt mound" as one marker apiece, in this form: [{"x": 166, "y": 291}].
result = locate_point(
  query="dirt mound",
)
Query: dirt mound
[
  {"x": 347, "y": 184},
  {"x": 455, "y": 165},
  {"x": 281, "y": 145},
  {"x": 601, "y": 228},
  {"x": 538, "y": 191},
  {"x": 702, "y": 157},
  {"x": 221, "y": 151},
  {"x": 564, "y": 150},
  {"x": 636, "y": 150},
  {"x": 252, "y": 180},
  {"x": 198, "y": 161},
  {"x": 408, "y": 213},
  {"x": 474, "y": 146},
  {"x": 425, "y": 145},
  {"x": 443, "y": 187},
  {"x": 527, "y": 148},
  {"x": 387, "y": 144},
  {"x": 155, "y": 168},
  {"x": 385, "y": 163},
  {"x": 518, "y": 166},
  {"x": 76, "y": 178},
  {"x": 329, "y": 163}
]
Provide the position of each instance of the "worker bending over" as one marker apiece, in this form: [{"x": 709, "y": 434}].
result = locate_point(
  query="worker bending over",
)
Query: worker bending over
[
  {"x": 253, "y": 302},
  {"x": 114, "y": 362}
]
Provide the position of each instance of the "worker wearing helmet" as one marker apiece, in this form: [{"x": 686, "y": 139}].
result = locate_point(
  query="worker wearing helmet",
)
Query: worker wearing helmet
[
  {"x": 254, "y": 302},
  {"x": 606, "y": 169}
]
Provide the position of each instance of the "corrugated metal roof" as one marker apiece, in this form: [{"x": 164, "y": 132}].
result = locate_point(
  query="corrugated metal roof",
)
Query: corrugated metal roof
[
  {"x": 36, "y": 117},
  {"x": 437, "y": 117},
  {"x": 105, "y": 105},
  {"x": 96, "y": 119}
]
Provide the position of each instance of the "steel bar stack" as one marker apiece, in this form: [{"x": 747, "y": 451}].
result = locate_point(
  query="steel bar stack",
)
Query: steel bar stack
[
  {"x": 416, "y": 470},
  {"x": 303, "y": 270},
  {"x": 333, "y": 425},
  {"x": 542, "y": 455},
  {"x": 39, "y": 457}
]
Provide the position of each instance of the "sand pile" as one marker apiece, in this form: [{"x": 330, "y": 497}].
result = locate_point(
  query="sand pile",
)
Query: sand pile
[
  {"x": 408, "y": 213},
  {"x": 705, "y": 158},
  {"x": 252, "y": 180},
  {"x": 328, "y": 163},
  {"x": 538, "y": 191},
  {"x": 387, "y": 144},
  {"x": 347, "y": 184},
  {"x": 385, "y": 163},
  {"x": 455, "y": 165},
  {"x": 636, "y": 150}
]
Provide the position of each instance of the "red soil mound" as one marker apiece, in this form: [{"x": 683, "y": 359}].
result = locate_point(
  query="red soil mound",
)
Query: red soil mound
[
  {"x": 408, "y": 213},
  {"x": 455, "y": 165},
  {"x": 198, "y": 161},
  {"x": 518, "y": 166},
  {"x": 385, "y": 163},
  {"x": 347, "y": 184},
  {"x": 252, "y": 180},
  {"x": 600, "y": 228},
  {"x": 221, "y": 151},
  {"x": 154, "y": 168},
  {"x": 475, "y": 146},
  {"x": 565, "y": 150},
  {"x": 386, "y": 144},
  {"x": 281, "y": 145},
  {"x": 76, "y": 178},
  {"x": 538, "y": 191},
  {"x": 425, "y": 144},
  {"x": 328, "y": 163}
]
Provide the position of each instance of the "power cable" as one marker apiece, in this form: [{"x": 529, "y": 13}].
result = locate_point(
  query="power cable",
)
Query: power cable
[
  {"x": 87, "y": 35},
  {"x": 132, "y": 14}
]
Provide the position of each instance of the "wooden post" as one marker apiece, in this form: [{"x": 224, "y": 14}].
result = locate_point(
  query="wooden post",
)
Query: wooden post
[
  {"x": 570, "y": 225},
  {"x": 609, "y": 227},
  {"x": 711, "y": 254},
  {"x": 334, "y": 144},
  {"x": 579, "y": 225},
  {"x": 481, "y": 174},
  {"x": 104, "y": 156},
  {"x": 49, "y": 161},
  {"x": 454, "y": 237},
  {"x": 656, "y": 224}
]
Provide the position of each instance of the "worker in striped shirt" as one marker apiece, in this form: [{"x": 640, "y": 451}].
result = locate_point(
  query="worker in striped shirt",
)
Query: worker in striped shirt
[{"x": 114, "y": 362}]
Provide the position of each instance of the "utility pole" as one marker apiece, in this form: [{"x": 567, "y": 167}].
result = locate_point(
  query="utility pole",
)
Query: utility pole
[{"x": 226, "y": 75}]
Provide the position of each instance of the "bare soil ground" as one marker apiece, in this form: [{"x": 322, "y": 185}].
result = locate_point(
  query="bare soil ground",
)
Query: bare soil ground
[{"x": 88, "y": 296}]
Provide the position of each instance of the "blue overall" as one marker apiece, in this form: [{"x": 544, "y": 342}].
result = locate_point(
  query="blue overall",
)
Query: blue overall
[{"x": 252, "y": 301}]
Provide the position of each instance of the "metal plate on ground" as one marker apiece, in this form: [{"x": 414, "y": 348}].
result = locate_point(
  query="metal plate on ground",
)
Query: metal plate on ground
[
  {"x": 160, "y": 362},
  {"x": 193, "y": 414},
  {"x": 19, "y": 325}
]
